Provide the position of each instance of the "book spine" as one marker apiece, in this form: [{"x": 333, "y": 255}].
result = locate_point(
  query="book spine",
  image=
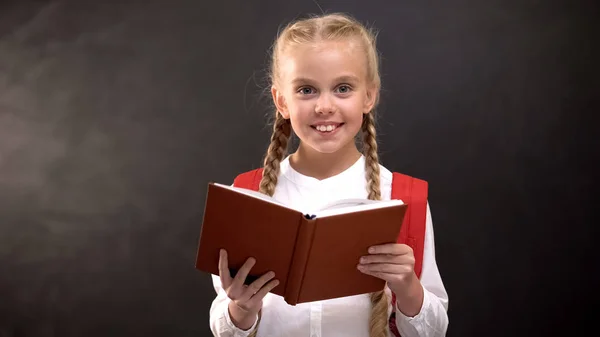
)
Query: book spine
[{"x": 302, "y": 247}]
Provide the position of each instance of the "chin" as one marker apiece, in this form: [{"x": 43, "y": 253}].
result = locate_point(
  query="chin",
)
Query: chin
[{"x": 327, "y": 148}]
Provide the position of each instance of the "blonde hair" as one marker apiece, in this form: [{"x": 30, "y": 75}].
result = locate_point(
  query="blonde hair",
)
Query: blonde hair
[{"x": 329, "y": 27}]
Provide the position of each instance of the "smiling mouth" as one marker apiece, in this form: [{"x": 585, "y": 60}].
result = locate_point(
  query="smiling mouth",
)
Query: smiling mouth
[{"x": 327, "y": 128}]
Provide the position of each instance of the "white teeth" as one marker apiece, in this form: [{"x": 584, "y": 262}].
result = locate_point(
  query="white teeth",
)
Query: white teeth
[{"x": 326, "y": 128}]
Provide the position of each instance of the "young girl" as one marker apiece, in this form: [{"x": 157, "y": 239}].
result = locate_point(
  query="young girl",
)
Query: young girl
[{"x": 325, "y": 86}]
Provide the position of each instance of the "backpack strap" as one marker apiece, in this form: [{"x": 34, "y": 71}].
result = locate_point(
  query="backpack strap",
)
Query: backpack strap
[
  {"x": 249, "y": 180},
  {"x": 413, "y": 192}
]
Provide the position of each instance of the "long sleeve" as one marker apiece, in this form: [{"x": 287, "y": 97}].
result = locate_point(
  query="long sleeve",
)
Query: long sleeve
[
  {"x": 220, "y": 321},
  {"x": 432, "y": 319}
]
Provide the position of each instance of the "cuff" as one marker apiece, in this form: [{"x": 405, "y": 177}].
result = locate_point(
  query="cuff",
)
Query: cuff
[
  {"x": 400, "y": 317},
  {"x": 237, "y": 332}
]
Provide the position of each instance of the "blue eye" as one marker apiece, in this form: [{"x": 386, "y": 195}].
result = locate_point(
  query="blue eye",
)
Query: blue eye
[
  {"x": 344, "y": 89},
  {"x": 305, "y": 91}
]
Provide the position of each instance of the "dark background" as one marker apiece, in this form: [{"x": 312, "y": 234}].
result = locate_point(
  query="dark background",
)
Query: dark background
[{"x": 114, "y": 116}]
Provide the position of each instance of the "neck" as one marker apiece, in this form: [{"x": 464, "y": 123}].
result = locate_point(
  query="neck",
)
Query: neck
[{"x": 318, "y": 165}]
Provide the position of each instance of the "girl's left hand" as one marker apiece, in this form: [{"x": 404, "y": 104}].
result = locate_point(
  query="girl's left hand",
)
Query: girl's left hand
[{"x": 393, "y": 263}]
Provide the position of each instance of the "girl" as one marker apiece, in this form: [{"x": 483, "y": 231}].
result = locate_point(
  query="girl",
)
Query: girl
[{"x": 325, "y": 86}]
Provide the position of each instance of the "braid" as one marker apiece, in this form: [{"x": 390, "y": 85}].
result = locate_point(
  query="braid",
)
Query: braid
[
  {"x": 275, "y": 154},
  {"x": 378, "y": 323},
  {"x": 372, "y": 158},
  {"x": 277, "y": 150}
]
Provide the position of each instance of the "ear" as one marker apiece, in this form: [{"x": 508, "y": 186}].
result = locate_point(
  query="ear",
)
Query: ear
[
  {"x": 279, "y": 101},
  {"x": 372, "y": 96}
]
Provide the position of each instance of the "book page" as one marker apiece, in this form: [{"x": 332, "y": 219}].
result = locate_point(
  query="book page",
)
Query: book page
[
  {"x": 347, "y": 203},
  {"x": 354, "y": 205},
  {"x": 252, "y": 193}
]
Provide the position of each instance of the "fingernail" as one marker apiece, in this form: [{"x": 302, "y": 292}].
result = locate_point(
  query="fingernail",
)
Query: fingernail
[
  {"x": 363, "y": 260},
  {"x": 371, "y": 250}
]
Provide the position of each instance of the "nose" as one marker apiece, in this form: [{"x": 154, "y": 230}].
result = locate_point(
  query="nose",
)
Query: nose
[{"x": 325, "y": 105}]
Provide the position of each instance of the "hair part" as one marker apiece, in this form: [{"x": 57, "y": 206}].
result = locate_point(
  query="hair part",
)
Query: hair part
[
  {"x": 330, "y": 27},
  {"x": 326, "y": 27}
]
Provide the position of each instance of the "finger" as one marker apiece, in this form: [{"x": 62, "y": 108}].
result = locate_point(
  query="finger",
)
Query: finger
[
  {"x": 390, "y": 248},
  {"x": 264, "y": 291},
  {"x": 240, "y": 277},
  {"x": 387, "y": 258},
  {"x": 388, "y": 277},
  {"x": 384, "y": 276},
  {"x": 386, "y": 268},
  {"x": 255, "y": 286},
  {"x": 223, "y": 269}
]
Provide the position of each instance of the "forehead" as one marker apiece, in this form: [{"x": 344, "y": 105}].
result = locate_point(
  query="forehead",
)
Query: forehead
[{"x": 323, "y": 61}]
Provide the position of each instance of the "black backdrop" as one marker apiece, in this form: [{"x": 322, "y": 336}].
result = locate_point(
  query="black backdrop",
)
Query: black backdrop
[{"x": 115, "y": 116}]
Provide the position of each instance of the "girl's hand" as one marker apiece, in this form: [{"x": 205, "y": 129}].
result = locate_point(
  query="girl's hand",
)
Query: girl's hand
[
  {"x": 393, "y": 263},
  {"x": 246, "y": 300}
]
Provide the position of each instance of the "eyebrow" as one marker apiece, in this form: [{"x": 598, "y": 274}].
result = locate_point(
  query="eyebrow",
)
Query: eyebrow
[{"x": 345, "y": 78}]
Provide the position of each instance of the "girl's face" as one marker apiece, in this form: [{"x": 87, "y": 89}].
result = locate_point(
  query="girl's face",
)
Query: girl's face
[{"x": 322, "y": 88}]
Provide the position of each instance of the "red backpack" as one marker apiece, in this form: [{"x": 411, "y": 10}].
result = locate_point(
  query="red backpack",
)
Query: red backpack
[{"x": 411, "y": 190}]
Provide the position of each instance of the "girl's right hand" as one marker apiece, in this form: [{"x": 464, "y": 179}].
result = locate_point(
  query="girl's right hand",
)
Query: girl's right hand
[{"x": 246, "y": 300}]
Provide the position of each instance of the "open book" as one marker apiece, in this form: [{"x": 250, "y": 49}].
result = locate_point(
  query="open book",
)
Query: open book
[
  {"x": 314, "y": 253},
  {"x": 334, "y": 208}
]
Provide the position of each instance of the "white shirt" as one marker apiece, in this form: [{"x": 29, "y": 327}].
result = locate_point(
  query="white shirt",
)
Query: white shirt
[{"x": 346, "y": 316}]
